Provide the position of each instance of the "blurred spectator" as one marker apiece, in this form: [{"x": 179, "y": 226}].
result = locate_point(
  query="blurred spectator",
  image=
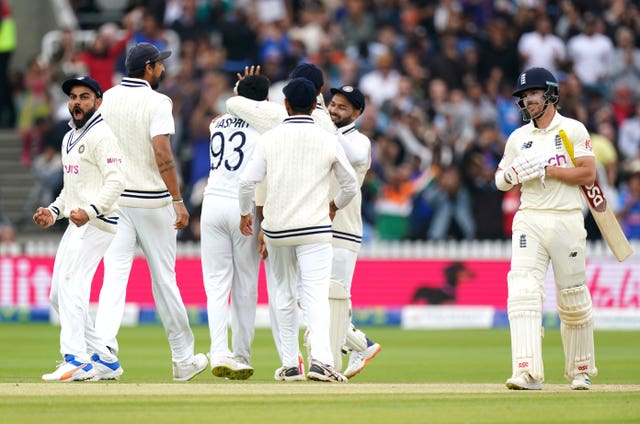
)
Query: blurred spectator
[
  {"x": 395, "y": 197},
  {"x": 573, "y": 100},
  {"x": 629, "y": 137},
  {"x": 184, "y": 20},
  {"x": 7, "y": 231},
  {"x": 101, "y": 58},
  {"x": 570, "y": 21},
  {"x": 478, "y": 166},
  {"x": 147, "y": 29},
  {"x": 357, "y": 24},
  {"x": 498, "y": 51},
  {"x": 47, "y": 168},
  {"x": 452, "y": 207},
  {"x": 629, "y": 202},
  {"x": 381, "y": 84},
  {"x": 590, "y": 52},
  {"x": 7, "y": 46},
  {"x": 623, "y": 105},
  {"x": 64, "y": 61},
  {"x": 448, "y": 64},
  {"x": 542, "y": 48},
  {"x": 240, "y": 40},
  {"x": 624, "y": 64},
  {"x": 483, "y": 109},
  {"x": 509, "y": 117},
  {"x": 34, "y": 107}
]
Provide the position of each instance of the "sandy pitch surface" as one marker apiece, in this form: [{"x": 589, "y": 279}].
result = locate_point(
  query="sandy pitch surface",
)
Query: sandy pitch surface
[{"x": 257, "y": 388}]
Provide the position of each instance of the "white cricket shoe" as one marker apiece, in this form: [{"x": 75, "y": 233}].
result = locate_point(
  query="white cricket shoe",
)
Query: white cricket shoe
[
  {"x": 226, "y": 367},
  {"x": 523, "y": 382},
  {"x": 288, "y": 374},
  {"x": 581, "y": 382},
  {"x": 106, "y": 370},
  {"x": 71, "y": 370},
  {"x": 323, "y": 372},
  {"x": 359, "y": 359},
  {"x": 186, "y": 371}
]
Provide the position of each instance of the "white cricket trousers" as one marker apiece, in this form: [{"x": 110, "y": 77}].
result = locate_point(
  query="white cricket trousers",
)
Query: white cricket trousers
[
  {"x": 153, "y": 230},
  {"x": 77, "y": 258},
  {"x": 230, "y": 264},
  {"x": 311, "y": 263}
]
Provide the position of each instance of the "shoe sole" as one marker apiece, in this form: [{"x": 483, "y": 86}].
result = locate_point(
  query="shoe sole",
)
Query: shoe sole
[
  {"x": 242, "y": 374},
  {"x": 222, "y": 371},
  {"x": 323, "y": 378},
  {"x": 191, "y": 376},
  {"x": 366, "y": 361},
  {"x": 580, "y": 387},
  {"x": 85, "y": 377},
  {"x": 513, "y": 386},
  {"x": 114, "y": 375},
  {"x": 291, "y": 378}
]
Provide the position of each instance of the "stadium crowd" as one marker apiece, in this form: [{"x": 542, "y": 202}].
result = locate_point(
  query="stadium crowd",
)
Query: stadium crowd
[{"x": 438, "y": 76}]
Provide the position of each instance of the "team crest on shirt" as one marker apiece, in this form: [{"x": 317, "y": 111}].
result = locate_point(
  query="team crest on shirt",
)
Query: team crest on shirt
[
  {"x": 81, "y": 149},
  {"x": 558, "y": 142},
  {"x": 587, "y": 144},
  {"x": 523, "y": 241},
  {"x": 526, "y": 145}
]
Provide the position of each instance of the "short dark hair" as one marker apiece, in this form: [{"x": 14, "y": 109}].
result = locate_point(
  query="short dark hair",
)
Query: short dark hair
[{"x": 254, "y": 87}]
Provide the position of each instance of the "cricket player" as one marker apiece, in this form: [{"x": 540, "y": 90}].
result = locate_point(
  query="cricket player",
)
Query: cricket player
[
  {"x": 266, "y": 115},
  {"x": 299, "y": 157},
  {"x": 346, "y": 105},
  {"x": 151, "y": 207},
  {"x": 93, "y": 180},
  {"x": 230, "y": 261},
  {"x": 549, "y": 226}
]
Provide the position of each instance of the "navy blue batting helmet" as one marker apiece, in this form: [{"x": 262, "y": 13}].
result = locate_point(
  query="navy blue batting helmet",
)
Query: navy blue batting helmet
[{"x": 536, "y": 78}]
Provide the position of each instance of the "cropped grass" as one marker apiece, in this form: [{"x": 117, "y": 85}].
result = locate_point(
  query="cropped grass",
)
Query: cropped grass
[{"x": 418, "y": 377}]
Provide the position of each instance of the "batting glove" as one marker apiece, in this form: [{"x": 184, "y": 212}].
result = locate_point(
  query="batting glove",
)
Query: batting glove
[{"x": 524, "y": 169}]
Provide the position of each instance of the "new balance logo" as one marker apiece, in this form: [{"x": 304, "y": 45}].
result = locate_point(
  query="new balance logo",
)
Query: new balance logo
[
  {"x": 573, "y": 254},
  {"x": 526, "y": 145},
  {"x": 523, "y": 241}
]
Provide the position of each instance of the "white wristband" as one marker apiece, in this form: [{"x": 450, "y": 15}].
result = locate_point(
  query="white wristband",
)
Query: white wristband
[{"x": 501, "y": 183}]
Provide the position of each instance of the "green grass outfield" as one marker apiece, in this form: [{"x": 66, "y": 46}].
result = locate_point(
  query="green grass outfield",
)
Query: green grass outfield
[{"x": 418, "y": 377}]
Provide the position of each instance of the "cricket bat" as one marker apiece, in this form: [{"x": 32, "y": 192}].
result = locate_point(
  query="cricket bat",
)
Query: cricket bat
[{"x": 601, "y": 212}]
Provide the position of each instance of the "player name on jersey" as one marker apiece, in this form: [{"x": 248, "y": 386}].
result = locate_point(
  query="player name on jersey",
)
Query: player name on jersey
[{"x": 233, "y": 121}]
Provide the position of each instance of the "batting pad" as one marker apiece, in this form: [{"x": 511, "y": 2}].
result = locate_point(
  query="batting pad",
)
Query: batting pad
[
  {"x": 356, "y": 339},
  {"x": 339, "y": 320},
  {"x": 525, "y": 321},
  {"x": 576, "y": 328}
]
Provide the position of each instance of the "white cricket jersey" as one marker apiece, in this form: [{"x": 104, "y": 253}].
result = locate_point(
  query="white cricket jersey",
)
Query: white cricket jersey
[
  {"x": 531, "y": 141},
  {"x": 93, "y": 174},
  {"x": 298, "y": 157},
  {"x": 347, "y": 224},
  {"x": 136, "y": 113},
  {"x": 232, "y": 141},
  {"x": 265, "y": 115}
]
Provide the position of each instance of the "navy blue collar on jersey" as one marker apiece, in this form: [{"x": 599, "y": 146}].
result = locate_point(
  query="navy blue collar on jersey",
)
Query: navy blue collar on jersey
[
  {"x": 134, "y": 82},
  {"x": 77, "y": 134},
  {"x": 299, "y": 119},
  {"x": 348, "y": 129}
]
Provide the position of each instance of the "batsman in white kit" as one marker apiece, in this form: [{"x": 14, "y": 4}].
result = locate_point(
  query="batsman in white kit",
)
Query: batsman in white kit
[
  {"x": 151, "y": 207},
  {"x": 93, "y": 180},
  {"x": 230, "y": 260},
  {"x": 298, "y": 157},
  {"x": 548, "y": 227}
]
